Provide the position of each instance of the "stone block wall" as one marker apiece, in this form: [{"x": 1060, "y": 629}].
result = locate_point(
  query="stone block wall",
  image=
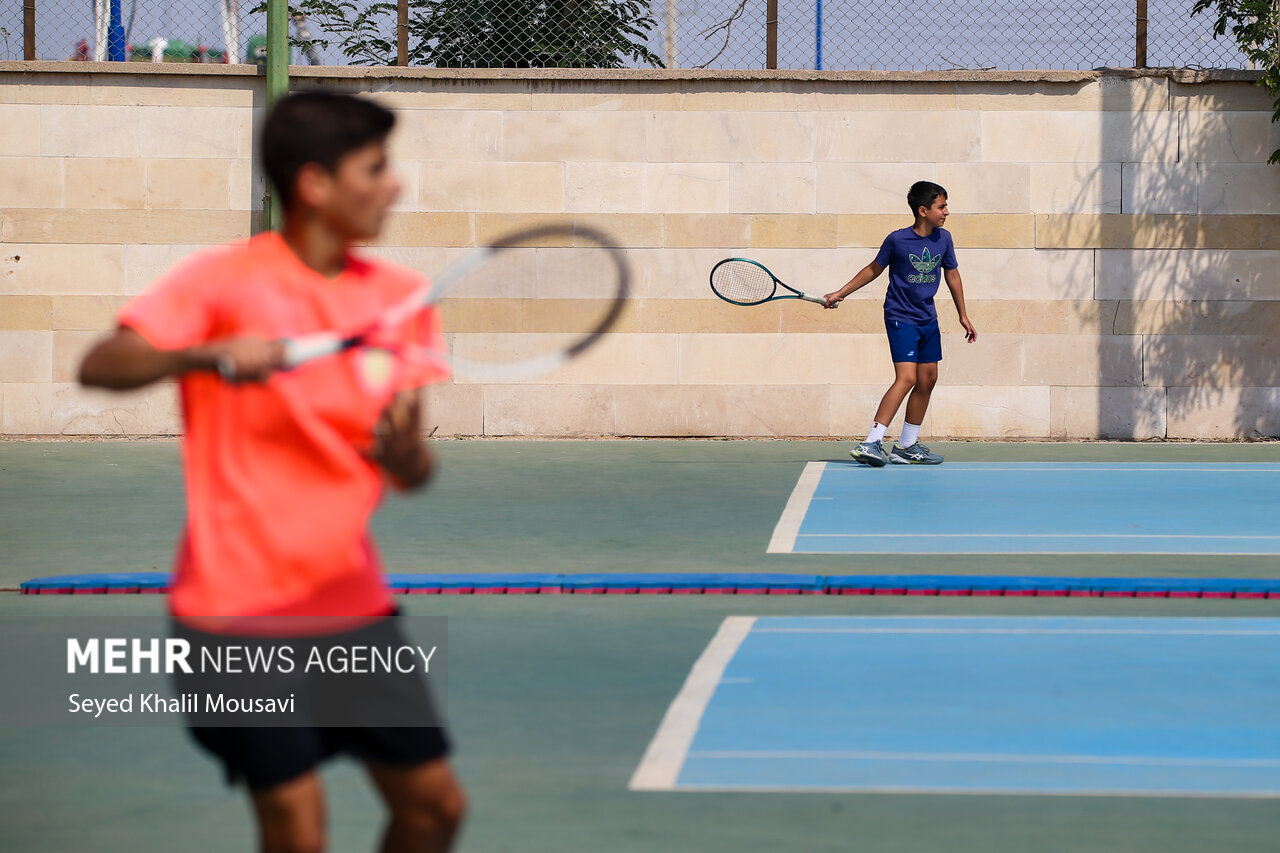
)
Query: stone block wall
[{"x": 1118, "y": 234}]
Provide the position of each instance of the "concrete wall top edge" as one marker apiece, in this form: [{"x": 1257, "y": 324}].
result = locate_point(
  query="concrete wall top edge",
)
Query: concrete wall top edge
[{"x": 1178, "y": 75}]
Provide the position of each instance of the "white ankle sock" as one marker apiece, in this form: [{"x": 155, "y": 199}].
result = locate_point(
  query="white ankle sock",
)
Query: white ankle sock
[
  {"x": 877, "y": 432},
  {"x": 910, "y": 434}
]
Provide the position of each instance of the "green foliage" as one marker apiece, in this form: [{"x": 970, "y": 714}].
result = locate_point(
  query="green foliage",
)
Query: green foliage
[
  {"x": 488, "y": 33},
  {"x": 533, "y": 34},
  {"x": 1255, "y": 25},
  {"x": 356, "y": 30}
]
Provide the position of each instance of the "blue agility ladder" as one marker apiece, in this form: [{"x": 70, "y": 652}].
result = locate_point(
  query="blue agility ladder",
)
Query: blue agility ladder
[{"x": 744, "y": 583}]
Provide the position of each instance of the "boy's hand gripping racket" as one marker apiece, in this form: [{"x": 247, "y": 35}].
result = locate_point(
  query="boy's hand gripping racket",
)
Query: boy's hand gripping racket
[{"x": 745, "y": 282}]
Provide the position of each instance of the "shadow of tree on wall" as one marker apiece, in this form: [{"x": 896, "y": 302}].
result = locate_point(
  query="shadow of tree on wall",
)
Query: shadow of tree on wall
[
  {"x": 1218, "y": 361},
  {"x": 1187, "y": 270}
]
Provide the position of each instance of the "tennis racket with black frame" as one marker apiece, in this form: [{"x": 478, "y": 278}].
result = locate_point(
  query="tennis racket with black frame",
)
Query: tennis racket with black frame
[
  {"x": 580, "y": 274},
  {"x": 742, "y": 281}
]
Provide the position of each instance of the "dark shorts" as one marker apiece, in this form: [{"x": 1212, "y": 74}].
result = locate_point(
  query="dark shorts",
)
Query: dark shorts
[
  {"x": 907, "y": 342},
  {"x": 262, "y": 758},
  {"x": 265, "y": 756}
]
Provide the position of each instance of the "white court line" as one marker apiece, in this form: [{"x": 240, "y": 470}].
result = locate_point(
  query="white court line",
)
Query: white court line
[
  {"x": 1103, "y": 632},
  {"x": 783, "y": 540},
  {"x": 847, "y": 468},
  {"x": 951, "y": 553},
  {"x": 662, "y": 761},
  {"x": 981, "y": 758},
  {"x": 1163, "y": 793},
  {"x": 1033, "y": 536},
  {"x": 1020, "y": 619}
]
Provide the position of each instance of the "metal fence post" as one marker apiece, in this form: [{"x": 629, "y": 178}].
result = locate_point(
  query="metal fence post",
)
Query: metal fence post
[
  {"x": 277, "y": 87},
  {"x": 116, "y": 51},
  {"x": 29, "y": 30},
  {"x": 1140, "y": 49},
  {"x": 402, "y": 33},
  {"x": 817, "y": 36},
  {"x": 771, "y": 34},
  {"x": 671, "y": 35}
]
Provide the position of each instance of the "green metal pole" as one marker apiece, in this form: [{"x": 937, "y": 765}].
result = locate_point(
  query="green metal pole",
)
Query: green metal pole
[{"x": 277, "y": 87}]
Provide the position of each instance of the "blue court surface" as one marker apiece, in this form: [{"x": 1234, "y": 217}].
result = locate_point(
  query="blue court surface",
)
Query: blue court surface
[
  {"x": 1033, "y": 508},
  {"x": 1065, "y": 706}
]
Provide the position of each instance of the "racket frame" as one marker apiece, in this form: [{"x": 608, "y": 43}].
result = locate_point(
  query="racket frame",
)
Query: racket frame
[
  {"x": 777, "y": 282},
  {"x": 301, "y": 349}
]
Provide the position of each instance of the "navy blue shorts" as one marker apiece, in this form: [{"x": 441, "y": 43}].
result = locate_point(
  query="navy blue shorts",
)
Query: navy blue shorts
[{"x": 921, "y": 344}]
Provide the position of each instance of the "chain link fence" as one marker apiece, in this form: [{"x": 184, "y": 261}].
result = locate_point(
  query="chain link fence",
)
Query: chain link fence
[
  {"x": 135, "y": 30},
  {"x": 827, "y": 34},
  {"x": 924, "y": 35}
]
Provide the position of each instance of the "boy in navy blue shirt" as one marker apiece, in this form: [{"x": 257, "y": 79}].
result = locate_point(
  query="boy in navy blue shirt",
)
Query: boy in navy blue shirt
[{"x": 912, "y": 256}]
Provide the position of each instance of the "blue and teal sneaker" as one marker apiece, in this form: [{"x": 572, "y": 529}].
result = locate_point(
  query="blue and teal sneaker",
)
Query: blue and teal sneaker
[
  {"x": 916, "y": 454},
  {"x": 870, "y": 453}
]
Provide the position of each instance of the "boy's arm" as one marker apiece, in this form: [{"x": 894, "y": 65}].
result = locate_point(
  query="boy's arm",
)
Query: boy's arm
[
  {"x": 399, "y": 449},
  {"x": 126, "y": 360},
  {"x": 954, "y": 284},
  {"x": 864, "y": 277}
]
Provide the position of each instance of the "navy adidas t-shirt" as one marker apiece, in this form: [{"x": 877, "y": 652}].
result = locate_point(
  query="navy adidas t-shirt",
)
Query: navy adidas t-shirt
[{"x": 914, "y": 275}]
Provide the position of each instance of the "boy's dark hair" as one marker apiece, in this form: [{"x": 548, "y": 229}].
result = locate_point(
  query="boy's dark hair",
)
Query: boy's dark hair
[
  {"x": 923, "y": 194},
  {"x": 317, "y": 127}
]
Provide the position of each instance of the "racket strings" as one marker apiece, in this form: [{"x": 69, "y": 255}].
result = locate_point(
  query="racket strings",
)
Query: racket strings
[
  {"x": 539, "y": 298},
  {"x": 742, "y": 281}
]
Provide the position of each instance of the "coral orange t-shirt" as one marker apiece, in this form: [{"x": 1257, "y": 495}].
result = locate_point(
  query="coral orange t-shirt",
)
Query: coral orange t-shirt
[{"x": 280, "y": 487}]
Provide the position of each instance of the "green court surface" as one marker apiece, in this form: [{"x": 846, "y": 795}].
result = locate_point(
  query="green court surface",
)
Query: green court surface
[
  {"x": 558, "y": 506},
  {"x": 554, "y": 699},
  {"x": 552, "y": 702}
]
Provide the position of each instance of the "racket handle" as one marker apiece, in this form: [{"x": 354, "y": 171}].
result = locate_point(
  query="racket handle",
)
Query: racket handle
[
  {"x": 817, "y": 300},
  {"x": 305, "y": 348},
  {"x": 227, "y": 368}
]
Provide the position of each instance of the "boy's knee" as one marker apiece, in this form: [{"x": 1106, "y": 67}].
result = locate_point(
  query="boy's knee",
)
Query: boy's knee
[
  {"x": 450, "y": 807},
  {"x": 440, "y": 812},
  {"x": 291, "y": 818}
]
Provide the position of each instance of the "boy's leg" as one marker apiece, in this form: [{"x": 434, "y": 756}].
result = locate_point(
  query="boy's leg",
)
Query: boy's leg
[
  {"x": 928, "y": 347},
  {"x": 904, "y": 379},
  {"x": 426, "y": 802},
  {"x": 904, "y": 348},
  {"x": 910, "y": 451},
  {"x": 278, "y": 766},
  {"x": 918, "y": 403},
  {"x": 291, "y": 815},
  {"x": 871, "y": 452}
]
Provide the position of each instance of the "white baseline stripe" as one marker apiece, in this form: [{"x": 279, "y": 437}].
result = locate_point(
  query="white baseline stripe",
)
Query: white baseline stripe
[
  {"x": 784, "y": 534},
  {"x": 964, "y": 467},
  {"x": 984, "y": 758},
  {"x": 951, "y": 553},
  {"x": 1031, "y": 536},
  {"x": 662, "y": 761},
  {"x": 1104, "y": 632},
  {"x": 1170, "y": 793}
]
